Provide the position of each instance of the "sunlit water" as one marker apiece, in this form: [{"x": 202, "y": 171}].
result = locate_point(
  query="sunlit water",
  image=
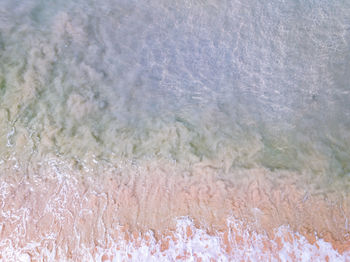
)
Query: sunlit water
[{"x": 208, "y": 110}]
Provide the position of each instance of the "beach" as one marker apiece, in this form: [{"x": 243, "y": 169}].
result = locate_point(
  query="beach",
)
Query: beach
[
  {"x": 156, "y": 211},
  {"x": 174, "y": 130}
]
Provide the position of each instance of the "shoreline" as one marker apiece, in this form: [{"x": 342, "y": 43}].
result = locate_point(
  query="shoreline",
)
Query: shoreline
[{"x": 50, "y": 202}]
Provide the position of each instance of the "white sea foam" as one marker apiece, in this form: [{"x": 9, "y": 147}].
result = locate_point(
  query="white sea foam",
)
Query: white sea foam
[
  {"x": 184, "y": 246},
  {"x": 58, "y": 212},
  {"x": 120, "y": 112}
]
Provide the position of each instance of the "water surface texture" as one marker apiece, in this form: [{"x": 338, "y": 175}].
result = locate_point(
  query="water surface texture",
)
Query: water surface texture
[{"x": 158, "y": 115}]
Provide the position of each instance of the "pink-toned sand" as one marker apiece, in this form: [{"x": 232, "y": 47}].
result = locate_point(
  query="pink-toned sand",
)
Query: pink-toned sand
[{"x": 71, "y": 212}]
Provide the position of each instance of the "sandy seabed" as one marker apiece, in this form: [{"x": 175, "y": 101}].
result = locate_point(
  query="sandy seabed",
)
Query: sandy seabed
[
  {"x": 84, "y": 76},
  {"x": 157, "y": 210}
]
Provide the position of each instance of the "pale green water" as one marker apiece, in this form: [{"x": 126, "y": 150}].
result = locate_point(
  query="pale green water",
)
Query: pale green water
[
  {"x": 247, "y": 84},
  {"x": 138, "y": 113}
]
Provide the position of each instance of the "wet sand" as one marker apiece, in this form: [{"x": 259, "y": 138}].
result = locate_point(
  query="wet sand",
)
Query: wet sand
[
  {"x": 56, "y": 209},
  {"x": 167, "y": 130}
]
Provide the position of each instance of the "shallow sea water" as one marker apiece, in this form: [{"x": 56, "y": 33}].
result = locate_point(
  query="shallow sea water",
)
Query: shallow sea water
[{"x": 174, "y": 130}]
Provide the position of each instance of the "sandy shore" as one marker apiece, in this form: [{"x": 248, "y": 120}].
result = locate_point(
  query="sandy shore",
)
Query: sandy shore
[{"x": 56, "y": 210}]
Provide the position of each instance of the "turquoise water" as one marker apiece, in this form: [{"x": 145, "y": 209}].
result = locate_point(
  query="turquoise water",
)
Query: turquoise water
[
  {"x": 259, "y": 84},
  {"x": 163, "y": 114}
]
